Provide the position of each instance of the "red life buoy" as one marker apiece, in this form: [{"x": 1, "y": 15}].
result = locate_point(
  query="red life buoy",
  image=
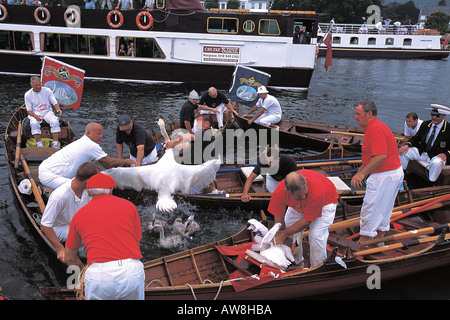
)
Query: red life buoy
[
  {"x": 119, "y": 15},
  {"x": 3, "y": 13},
  {"x": 42, "y": 15},
  {"x": 147, "y": 17}
]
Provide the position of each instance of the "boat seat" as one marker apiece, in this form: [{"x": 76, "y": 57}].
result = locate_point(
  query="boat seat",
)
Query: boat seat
[
  {"x": 37, "y": 155},
  {"x": 246, "y": 171}
]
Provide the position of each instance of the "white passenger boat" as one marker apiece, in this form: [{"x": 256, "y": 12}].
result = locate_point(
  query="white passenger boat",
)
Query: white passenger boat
[
  {"x": 376, "y": 41},
  {"x": 174, "y": 42}
]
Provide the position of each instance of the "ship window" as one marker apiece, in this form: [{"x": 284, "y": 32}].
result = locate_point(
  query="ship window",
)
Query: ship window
[
  {"x": 74, "y": 43},
  {"x": 389, "y": 41},
  {"x": 336, "y": 40},
  {"x": 223, "y": 25},
  {"x": 407, "y": 41},
  {"x": 138, "y": 47},
  {"x": 269, "y": 27},
  {"x": 160, "y": 4},
  {"x": 15, "y": 40},
  {"x": 249, "y": 26},
  {"x": 354, "y": 40},
  {"x": 372, "y": 41}
]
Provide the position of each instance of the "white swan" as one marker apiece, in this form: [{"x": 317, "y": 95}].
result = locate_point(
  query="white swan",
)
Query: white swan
[
  {"x": 169, "y": 242},
  {"x": 165, "y": 177}
]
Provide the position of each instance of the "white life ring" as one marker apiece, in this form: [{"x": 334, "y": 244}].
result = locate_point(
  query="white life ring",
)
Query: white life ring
[
  {"x": 43, "y": 20},
  {"x": 72, "y": 18},
  {"x": 3, "y": 13}
]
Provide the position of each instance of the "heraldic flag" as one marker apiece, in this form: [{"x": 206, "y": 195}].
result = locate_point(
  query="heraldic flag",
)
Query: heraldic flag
[
  {"x": 245, "y": 83},
  {"x": 65, "y": 81}
]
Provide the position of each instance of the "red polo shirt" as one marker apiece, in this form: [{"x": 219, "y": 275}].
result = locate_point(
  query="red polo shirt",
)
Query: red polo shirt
[
  {"x": 321, "y": 192},
  {"x": 379, "y": 139},
  {"x": 110, "y": 229}
]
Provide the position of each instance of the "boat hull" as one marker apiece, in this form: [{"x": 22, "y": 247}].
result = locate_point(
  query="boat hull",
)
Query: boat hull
[{"x": 386, "y": 53}]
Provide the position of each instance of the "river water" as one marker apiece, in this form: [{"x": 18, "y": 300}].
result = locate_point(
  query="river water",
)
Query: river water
[{"x": 397, "y": 87}]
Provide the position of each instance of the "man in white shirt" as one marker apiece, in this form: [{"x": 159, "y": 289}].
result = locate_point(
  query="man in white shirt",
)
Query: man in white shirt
[
  {"x": 270, "y": 112},
  {"x": 63, "y": 203},
  {"x": 412, "y": 125},
  {"x": 63, "y": 164},
  {"x": 39, "y": 101}
]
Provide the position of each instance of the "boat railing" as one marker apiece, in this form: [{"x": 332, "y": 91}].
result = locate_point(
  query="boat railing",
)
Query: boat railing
[{"x": 376, "y": 29}]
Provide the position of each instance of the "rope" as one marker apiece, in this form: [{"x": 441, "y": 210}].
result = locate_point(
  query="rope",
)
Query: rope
[
  {"x": 155, "y": 280},
  {"x": 192, "y": 290},
  {"x": 80, "y": 290}
]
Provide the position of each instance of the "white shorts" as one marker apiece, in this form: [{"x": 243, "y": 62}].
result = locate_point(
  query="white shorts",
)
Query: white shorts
[
  {"x": 50, "y": 179},
  {"x": 268, "y": 120},
  {"x": 152, "y": 157},
  {"x": 115, "y": 280}
]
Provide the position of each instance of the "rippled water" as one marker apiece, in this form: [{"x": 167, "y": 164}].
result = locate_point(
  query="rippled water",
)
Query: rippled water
[{"x": 396, "y": 86}]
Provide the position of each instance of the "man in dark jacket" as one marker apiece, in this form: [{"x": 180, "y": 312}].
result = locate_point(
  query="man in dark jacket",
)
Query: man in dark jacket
[{"x": 431, "y": 143}]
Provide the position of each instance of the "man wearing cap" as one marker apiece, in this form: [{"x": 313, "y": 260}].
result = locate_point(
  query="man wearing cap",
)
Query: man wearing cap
[
  {"x": 188, "y": 110},
  {"x": 62, "y": 205},
  {"x": 62, "y": 166},
  {"x": 381, "y": 162},
  {"x": 217, "y": 100},
  {"x": 142, "y": 147},
  {"x": 110, "y": 229},
  {"x": 270, "y": 112},
  {"x": 431, "y": 143}
]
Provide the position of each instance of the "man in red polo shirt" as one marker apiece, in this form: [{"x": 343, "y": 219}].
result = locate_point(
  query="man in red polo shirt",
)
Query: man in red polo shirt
[
  {"x": 311, "y": 200},
  {"x": 109, "y": 227},
  {"x": 380, "y": 159}
]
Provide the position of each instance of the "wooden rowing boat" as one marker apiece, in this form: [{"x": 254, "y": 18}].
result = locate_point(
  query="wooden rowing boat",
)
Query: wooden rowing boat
[
  {"x": 313, "y": 136},
  {"x": 22, "y": 162},
  {"x": 226, "y": 270}
]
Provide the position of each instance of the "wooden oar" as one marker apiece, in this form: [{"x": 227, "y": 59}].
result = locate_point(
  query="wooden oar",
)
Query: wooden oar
[
  {"x": 349, "y": 223},
  {"x": 34, "y": 186},
  {"x": 329, "y": 163},
  {"x": 399, "y": 245},
  {"x": 18, "y": 145},
  {"x": 401, "y": 214},
  {"x": 408, "y": 234}
]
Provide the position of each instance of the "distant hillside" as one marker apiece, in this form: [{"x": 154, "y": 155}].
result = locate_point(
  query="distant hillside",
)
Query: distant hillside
[{"x": 419, "y": 3}]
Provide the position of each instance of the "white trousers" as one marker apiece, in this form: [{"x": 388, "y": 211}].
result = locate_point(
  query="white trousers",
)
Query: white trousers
[
  {"x": 50, "y": 179},
  {"x": 152, "y": 157},
  {"x": 318, "y": 233},
  {"x": 50, "y": 118},
  {"x": 381, "y": 191},
  {"x": 271, "y": 183},
  {"x": 221, "y": 107},
  {"x": 435, "y": 164},
  {"x": 115, "y": 280},
  {"x": 268, "y": 120}
]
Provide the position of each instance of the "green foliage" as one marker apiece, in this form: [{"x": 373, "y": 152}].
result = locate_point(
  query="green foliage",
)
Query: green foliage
[
  {"x": 211, "y": 4},
  {"x": 233, "y": 4},
  {"x": 438, "y": 20}
]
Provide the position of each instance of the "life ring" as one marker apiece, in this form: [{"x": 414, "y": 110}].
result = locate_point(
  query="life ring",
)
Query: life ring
[
  {"x": 119, "y": 15},
  {"x": 40, "y": 20},
  {"x": 75, "y": 18},
  {"x": 3, "y": 13},
  {"x": 149, "y": 17}
]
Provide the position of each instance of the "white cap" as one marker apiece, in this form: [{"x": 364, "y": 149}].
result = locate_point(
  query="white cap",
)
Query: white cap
[
  {"x": 439, "y": 109},
  {"x": 193, "y": 95},
  {"x": 262, "y": 89},
  {"x": 25, "y": 187}
]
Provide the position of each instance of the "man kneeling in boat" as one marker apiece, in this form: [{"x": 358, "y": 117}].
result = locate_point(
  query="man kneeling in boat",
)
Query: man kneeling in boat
[
  {"x": 63, "y": 164},
  {"x": 39, "y": 101},
  {"x": 270, "y": 112},
  {"x": 62, "y": 205},
  {"x": 284, "y": 163},
  {"x": 431, "y": 143},
  {"x": 311, "y": 200},
  {"x": 216, "y": 99}
]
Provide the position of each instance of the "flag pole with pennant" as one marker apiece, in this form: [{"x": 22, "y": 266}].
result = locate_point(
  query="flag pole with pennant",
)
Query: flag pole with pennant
[{"x": 65, "y": 81}]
